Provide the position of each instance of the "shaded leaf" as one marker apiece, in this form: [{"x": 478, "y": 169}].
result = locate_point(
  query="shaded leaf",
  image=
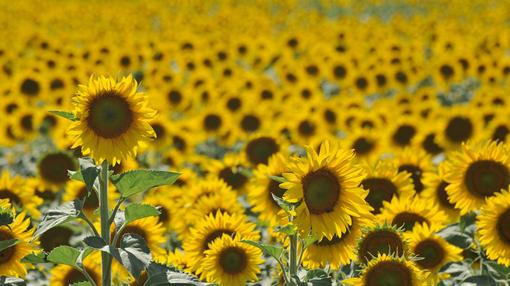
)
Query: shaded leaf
[
  {"x": 480, "y": 280},
  {"x": 64, "y": 255},
  {"x": 274, "y": 251},
  {"x": 172, "y": 278},
  {"x": 137, "y": 181},
  {"x": 4, "y": 244},
  {"x": 58, "y": 215},
  {"x": 34, "y": 258}
]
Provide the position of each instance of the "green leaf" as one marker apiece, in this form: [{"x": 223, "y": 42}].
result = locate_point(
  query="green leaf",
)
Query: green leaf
[
  {"x": 64, "y": 255},
  {"x": 274, "y": 251},
  {"x": 133, "y": 254},
  {"x": 4, "y": 244},
  {"x": 138, "y": 211},
  {"x": 289, "y": 229},
  {"x": 172, "y": 278},
  {"x": 278, "y": 179},
  {"x": 12, "y": 281},
  {"x": 480, "y": 280},
  {"x": 283, "y": 203},
  {"x": 58, "y": 215},
  {"x": 309, "y": 240},
  {"x": 34, "y": 258},
  {"x": 95, "y": 242},
  {"x": 133, "y": 182},
  {"x": 82, "y": 283},
  {"x": 6, "y": 217},
  {"x": 88, "y": 173},
  {"x": 65, "y": 114}
]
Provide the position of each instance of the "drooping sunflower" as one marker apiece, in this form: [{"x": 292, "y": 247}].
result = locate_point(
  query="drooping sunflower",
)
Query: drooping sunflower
[
  {"x": 381, "y": 239},
  {"x": 406, "y": 212},
  {"x": 433, "y": 250},
  {"x": 211, "y": 228},
  {"x": 328, "y": 186},
  {"x": 230, "y": 262},
  {"x": 113, "y": 119},
  {"x": 10, "y": 258},
  {"x": 475, "y": 173},
  {"x": 388, "y": 270},
  {"x": 341, "y": 249},
  {"x": 493, "y": 226},
  {"x": 262, "y": 187},
  {"x": 383, "y": 182},
  {"x": 19, "y": 193}
]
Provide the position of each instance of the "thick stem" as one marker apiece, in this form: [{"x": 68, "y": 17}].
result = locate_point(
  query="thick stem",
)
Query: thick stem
[
  {"x": 293, "y": 256},
  {"x": 105, "y": 225}
]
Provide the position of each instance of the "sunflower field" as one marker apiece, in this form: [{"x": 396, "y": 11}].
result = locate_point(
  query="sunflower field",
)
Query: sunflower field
[{"x": 239, "y": 142}]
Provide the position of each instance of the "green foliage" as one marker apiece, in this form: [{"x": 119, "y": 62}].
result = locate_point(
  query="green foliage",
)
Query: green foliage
[
  {"x": 137, "y": 181},
  {"x": 138, "y": 211},
  {"x": 4, "y": 244},
  {"x": 58, "y": 215},
  {"x": 65, "y": 114}
]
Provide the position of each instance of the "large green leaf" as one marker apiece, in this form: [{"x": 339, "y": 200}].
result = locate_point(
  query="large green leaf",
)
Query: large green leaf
[
  {"x": 137, "y": 181},
  {"x": 64, "y": 254},
  {"x": 34, "y": 258},
  {"x": 65, "y": 114},
  {"x": 58, "y": 215},
  {"x": 88, "y": 173},
  {"x": 274, "y": 251},
  {"x": 138, "y": 211},
  {"x": 171, "y": 278},
  {"x": 4, "y": 244}
]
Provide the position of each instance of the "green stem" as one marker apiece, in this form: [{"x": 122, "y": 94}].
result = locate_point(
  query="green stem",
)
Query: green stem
[
  {"x": 90, "y": 224},
  {"x": 105, "y": 226},
  {"x": 116, "y": 237},
  {"x": 84, "y": 272},
  {"x": 293, "y": 256},
  {"x": 115, "y": 209}
]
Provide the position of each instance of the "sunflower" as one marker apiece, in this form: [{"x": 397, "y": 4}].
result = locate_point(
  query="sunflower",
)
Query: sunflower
[
  {"x": 415, "y": 162},
  {"x": 365, "y": 142},
  {"x": 475, "y": 173},
  {"x": 381, "y": 239},
  {"x": 10, "y": 258},
  {"x": 65, "y": 275},
  {"x": 435, "y": 192},
  {"x": 165, "y": 199},
  {"x": 53, "y": 167},
  {"x": 406, "y": 212},
  {"x": 383, "y": 182},
  {"x": 210, "y": 228},
  {"x": 226, "y": 203},
  {"x": 56, "y": 236},
  {"x": 459, "y": 124},
  {"x": 262, "y": 187},
  {"x": 493, "y": 227},
  {"x": 230, "y": 170},
  {"x": 19, "y": 193},
  {"x": 433, "y": 250},
  {"x": 259, "y": 148},
  {"x": 327, "y": 184},
  {"x": 78, "y": 190},
  {"x": 151, "y": 230},
  {"x": 340, "y": 250},
  {"x": 113, "y": 119},
  {"x": 388, "y": 270}
]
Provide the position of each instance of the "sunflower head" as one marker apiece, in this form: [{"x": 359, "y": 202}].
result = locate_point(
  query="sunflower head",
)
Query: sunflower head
[
  {"x": 113, "y": 119},
  {"x": 381, "y": 239}
]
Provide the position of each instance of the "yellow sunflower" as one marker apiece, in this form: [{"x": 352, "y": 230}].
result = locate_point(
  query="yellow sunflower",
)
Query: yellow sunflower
[
  {"x": 230, "y": 170},
  {"x": 340, "y": 250},
  {"x": 415, "y": 162},
  {"x": 383, "y": 182},
  {"x": 230, "y": 262},
  {"x": 262, "y": 187},
  {"x": 65, "y": 275},
  {"x": 19, "y": 193},
  {"x": 475, "y": 173},
  {"x": 493, "y": 226},
  {"x": 211, "y": 228},
  {"x": 327, "y": 184},
  {"x": 406, "y": 212},
  {"x": 388, "y": 270},
  {"x": 10, "y": 258},
  {"x": 434, "y": 251},
  {"x": 52, "y": 169},
  {"x": 381, "y": 239},
  {"x": 113, "y": 119},
  {"x": 78, "y": 190}
]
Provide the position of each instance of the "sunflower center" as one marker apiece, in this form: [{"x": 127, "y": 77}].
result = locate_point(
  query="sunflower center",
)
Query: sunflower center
[
  {"x": 6, "y": 254},
  {"x": 165, "y": 214},
  {"x": 381, "y": 241},
  {"x": 110, "y": 115},
  {"x": 54, "y": 237},
  {"x": 214, "y": 235},
  {"x": 459, "y": 129},
  {"x": 446, "y": 71},
  {"x": 54, "y": 167},
  {"x": 407, "y": 220},
  {"x": 363, "y": 146},
  {"x": 91, "y": 201},
  {"x": 306, "y": 128},
  {"x": 430, "y": 146},
  {"x": 274, "y": 189},
  {"x": 212, "y": 122},
  {"x": 30, "y": 87},
  {"x": 27, "y": 122},
  {"x": 404, "y": 134},
  {"x": 442, "y": 195},
  {"x": 73, "y": 276},
  {"x": 503, "y": 226},
  {"x": 389, "y": 273},
  {"x": 321, "y": 191},
  {"x": 416, "y": 173},
  {"x": 500, "y": 133},
  {"x": 250, "y": 123},
  {"x": 431, "y": 252},
  {"x": 233, "y": 260},
  {"x": 486, "y": 177},
  {"x": 12, "y": 197},
  {"x": 259, "y": 150},
  {"x": 379, "y": 190},
  {"x": 159, "y": 130},
  {"x": 234, "y": 179}
]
